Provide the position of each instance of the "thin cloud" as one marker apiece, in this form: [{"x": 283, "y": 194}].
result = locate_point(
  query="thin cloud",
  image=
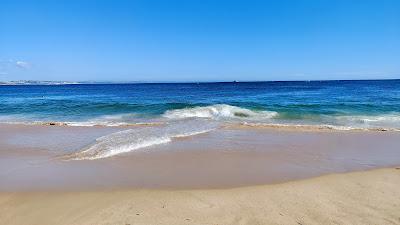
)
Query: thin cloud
[{"x": 22, "y": 64}]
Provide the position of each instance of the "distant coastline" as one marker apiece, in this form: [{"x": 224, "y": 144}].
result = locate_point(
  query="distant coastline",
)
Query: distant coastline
[
  {"x": 35, "y": 82},
  {"x": 44, "y": 82}
]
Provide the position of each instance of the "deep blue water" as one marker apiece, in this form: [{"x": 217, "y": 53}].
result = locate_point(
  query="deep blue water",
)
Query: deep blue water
[{"x": 374, "y": 103}]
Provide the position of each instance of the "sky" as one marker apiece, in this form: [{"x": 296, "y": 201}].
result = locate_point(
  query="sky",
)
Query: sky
[{"x": 199, "y": 40}]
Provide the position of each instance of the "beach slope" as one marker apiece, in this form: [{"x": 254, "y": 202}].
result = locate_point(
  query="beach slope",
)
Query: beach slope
[{"x": 369, "y": 197}]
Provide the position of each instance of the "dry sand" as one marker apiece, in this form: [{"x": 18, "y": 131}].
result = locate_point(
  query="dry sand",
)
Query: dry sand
[{"x": 369, "y": 197}]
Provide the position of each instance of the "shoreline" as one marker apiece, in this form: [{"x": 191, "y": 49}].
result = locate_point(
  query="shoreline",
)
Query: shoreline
[
  {"x": 224, "y": 125},
  {"x": 371, "y": 197},
  {"x": 30, "y": 158},
  {"x": 231, "y": 175}
]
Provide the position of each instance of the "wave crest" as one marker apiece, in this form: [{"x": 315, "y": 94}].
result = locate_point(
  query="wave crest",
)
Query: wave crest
[{"x": 217, "y": 112}]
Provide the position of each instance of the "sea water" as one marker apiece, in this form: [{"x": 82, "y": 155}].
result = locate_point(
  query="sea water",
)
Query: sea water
[{"x": 164, "y": 111}]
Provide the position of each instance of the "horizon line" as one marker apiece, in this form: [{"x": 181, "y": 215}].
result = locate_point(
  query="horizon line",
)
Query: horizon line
[{"x": 64, "y": 82}]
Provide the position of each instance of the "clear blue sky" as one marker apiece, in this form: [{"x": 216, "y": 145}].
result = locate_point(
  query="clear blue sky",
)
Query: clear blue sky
[{"x": 199, "y": 40}]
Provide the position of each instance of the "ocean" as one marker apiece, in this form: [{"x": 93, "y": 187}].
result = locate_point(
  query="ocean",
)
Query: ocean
[{"x": 164, "y": 111}]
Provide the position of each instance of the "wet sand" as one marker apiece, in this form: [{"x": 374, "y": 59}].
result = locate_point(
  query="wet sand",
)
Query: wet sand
[
  {"x": 371, "y": 197},
  {"x": 233, "y": 175},
  {"x": 225, "y": 158}
]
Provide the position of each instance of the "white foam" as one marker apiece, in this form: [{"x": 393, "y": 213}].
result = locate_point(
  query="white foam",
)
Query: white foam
[
  {"x": 133, "y": 139},
  {"x": 219, "y": 111},
  {"x": 362, "y": 121},
  {"x": 300, "y": 126},
  {"x": 320, "y": 126}
]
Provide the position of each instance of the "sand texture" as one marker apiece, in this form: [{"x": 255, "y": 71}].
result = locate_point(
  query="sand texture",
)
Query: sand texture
[{"x": 369, "y": 197}]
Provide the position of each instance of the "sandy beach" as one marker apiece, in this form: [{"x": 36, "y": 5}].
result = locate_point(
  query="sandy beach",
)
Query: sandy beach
[
  {"x": 200, "y": 112},
  {"x": 233, "y": 175},
  {"x": 33, "y": 158},
  {"x": 370, "y": 197}
]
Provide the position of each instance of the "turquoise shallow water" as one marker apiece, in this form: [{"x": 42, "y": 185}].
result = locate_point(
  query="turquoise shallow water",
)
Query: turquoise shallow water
[{"x": 365, "y": 104}]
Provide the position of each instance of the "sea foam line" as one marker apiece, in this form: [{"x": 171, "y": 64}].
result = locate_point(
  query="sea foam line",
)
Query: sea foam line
[
  {"x": 133, "y": 139},
  {"x": 311, "y": 127}
]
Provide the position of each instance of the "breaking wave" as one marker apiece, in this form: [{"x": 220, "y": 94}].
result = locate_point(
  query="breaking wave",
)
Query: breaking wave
[{"x": 219, "y": 111}]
